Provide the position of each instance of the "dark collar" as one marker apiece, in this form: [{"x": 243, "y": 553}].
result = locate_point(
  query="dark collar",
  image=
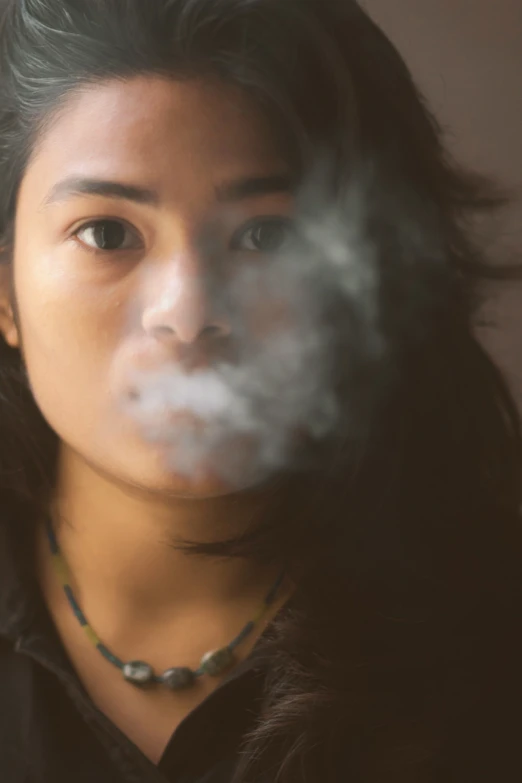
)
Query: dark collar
[{"x": 18, "y": 589}]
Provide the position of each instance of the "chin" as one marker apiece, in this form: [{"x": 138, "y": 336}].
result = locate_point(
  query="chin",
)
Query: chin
[
  {"x": 161, "y": 467},
  {"x": 158, "y": 474},
  {"x": 202, "y": 484}
]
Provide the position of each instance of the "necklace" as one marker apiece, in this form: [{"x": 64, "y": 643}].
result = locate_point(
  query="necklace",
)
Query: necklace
[{"x": 213, "y": 663}]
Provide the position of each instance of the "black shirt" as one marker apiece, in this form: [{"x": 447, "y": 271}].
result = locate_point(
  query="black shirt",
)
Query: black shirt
[
  {"x": 50, "y": 730},
  {"x": 469, "y": 692}
]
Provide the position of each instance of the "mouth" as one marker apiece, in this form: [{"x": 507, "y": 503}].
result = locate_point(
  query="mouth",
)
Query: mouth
[
  {"x": 144, "y": 405},
  {"x": 168, "y": 426},
  {"x": 204, "y": 395}
]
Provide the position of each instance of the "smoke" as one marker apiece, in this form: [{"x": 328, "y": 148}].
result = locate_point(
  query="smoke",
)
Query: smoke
[{"x": 309, "y": 350}]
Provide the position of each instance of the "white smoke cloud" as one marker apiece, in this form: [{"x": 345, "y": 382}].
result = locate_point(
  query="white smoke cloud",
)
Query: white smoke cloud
[{"x": 283, "y": 379}]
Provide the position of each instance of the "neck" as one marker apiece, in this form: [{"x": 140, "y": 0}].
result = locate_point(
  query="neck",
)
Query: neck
[{"x": 120, "y": 546}]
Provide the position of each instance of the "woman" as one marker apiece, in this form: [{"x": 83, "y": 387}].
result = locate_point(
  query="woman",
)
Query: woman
[{"x": 243, "y": 410}]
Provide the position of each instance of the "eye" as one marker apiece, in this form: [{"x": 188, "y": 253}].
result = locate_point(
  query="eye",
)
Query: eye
[
  {"x": 107, "y": 235},
  {"x": 264, "y": 235}
]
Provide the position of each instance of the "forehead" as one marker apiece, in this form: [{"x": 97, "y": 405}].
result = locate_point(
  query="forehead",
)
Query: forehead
[{"x": 152, "y": 127}]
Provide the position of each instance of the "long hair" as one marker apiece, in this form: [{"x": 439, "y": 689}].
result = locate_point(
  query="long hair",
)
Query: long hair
[{"x": 382, "y": 667}]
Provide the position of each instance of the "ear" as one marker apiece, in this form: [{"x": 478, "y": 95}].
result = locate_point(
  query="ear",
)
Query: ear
[{"x": 8, "y": 327}]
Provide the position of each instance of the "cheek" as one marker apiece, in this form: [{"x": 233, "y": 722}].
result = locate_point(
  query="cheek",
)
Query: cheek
[
  {"x": 267, "y": 318},
  {"x": 68, "y": 328},
  {"x": 260, "y": 311}
]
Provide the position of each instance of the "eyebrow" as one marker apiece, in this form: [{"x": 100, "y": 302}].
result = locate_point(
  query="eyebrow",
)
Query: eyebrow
[
  {"x": 235, "y": 190},
  {"x": 85, "y": 186},
  {"x": 239, "y": 189}
]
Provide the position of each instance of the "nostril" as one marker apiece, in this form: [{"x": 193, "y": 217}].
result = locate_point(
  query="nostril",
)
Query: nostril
[
  {"x": 186, "y": 331},
  {"x": 211, "y": 331},
  {"x": 164, "y": 331}
]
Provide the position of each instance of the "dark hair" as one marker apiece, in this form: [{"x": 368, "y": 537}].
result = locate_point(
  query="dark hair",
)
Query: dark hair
[{"x": 379, "y": 669}]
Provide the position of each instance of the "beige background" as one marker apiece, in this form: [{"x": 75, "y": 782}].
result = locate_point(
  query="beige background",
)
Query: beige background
[{"x": 466, "y": 55}]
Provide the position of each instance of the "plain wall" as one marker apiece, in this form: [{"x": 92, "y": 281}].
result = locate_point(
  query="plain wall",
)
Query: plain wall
[{"x": 466, "y": 56}]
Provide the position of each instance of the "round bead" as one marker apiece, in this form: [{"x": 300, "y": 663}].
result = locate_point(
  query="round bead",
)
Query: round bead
[
  {"x": 177, "y": 678},
  {"x": 216, "y": 661},
  {"x": 138, "y": 672}
]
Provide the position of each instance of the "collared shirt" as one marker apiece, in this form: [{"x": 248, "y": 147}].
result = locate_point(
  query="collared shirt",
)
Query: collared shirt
[{"x": 51, "y": 731}]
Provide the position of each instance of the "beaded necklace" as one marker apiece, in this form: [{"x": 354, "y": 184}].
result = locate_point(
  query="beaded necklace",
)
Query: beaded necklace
[{"x": 140, "y": 673}]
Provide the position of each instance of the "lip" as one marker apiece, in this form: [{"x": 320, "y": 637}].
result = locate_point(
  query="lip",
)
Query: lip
[
  {"x": 135, "y": 384},
  {"x": 161, "y": 411},
  {"x": 162, "y": 424}
]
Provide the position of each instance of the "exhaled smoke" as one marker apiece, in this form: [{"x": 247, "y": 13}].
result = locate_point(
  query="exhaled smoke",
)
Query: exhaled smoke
[{"x": 308, "y": 345}]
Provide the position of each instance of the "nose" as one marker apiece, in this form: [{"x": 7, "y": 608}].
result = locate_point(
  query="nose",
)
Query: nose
[{"x": 180, "y": 306}]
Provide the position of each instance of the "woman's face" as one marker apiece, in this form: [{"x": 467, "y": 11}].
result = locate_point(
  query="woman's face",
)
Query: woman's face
[{"x": 143, "y": 204}]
